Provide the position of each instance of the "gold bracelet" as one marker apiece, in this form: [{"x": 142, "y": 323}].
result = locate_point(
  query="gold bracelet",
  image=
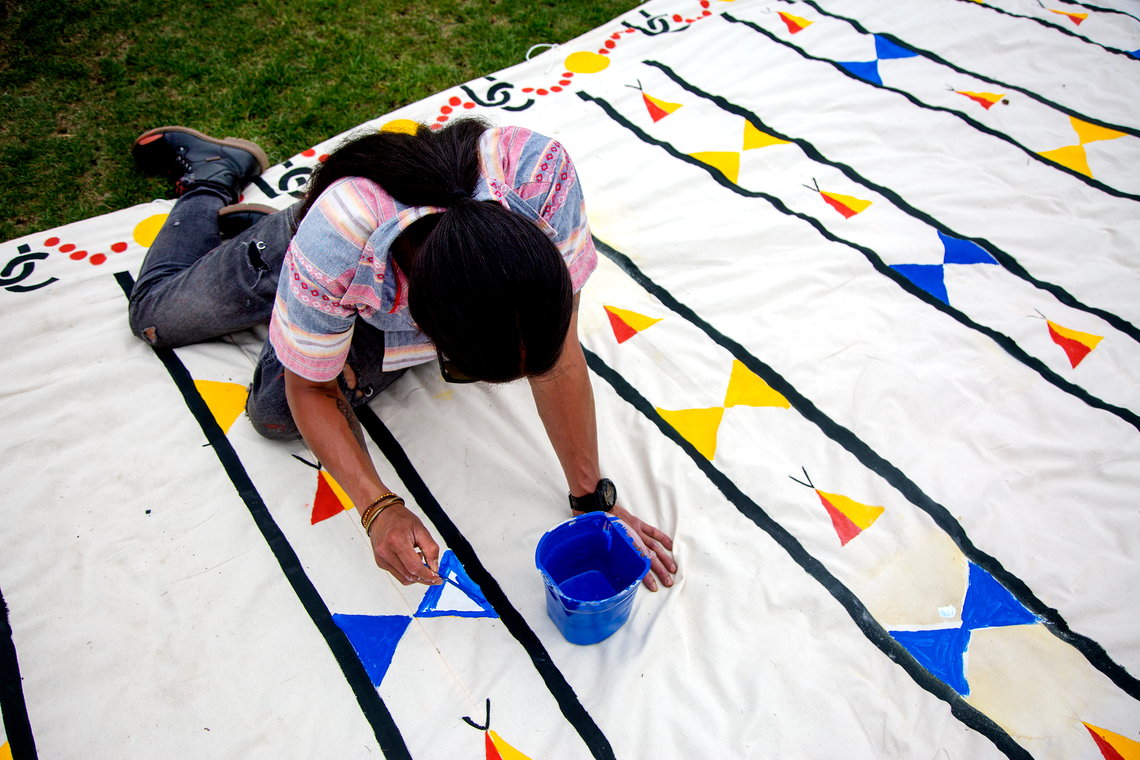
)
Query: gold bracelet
[{"x": 376, "y": 507}]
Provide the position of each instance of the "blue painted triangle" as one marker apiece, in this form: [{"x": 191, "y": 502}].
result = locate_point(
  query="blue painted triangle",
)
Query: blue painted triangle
[
  {"x": 941, "y": 651},
  {"x": 929, "y": 277},
  {"x": 990, "y": 605},
  {"x": 960, "y": 251},
  {"x": 886, "y": 49},
  {"x": 374, "y": 637},
  {"x": 868, "y": 70},
  {"x": 1135, "y": 54},
  {"x": 476, "y": 605}
]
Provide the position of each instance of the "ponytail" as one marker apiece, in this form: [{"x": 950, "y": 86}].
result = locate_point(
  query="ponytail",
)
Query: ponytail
[{"x": 486, "y": 285}]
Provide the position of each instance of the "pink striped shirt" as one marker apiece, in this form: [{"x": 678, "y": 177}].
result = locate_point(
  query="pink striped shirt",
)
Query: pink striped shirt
[{"x": 339, "y": 266}]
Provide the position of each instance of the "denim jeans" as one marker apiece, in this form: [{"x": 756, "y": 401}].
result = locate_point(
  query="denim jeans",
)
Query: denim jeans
[{"x": 195, "y": 287}]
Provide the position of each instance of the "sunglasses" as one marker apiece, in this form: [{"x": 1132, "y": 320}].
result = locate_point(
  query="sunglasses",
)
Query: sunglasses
[{"x": 450, "y": 372}]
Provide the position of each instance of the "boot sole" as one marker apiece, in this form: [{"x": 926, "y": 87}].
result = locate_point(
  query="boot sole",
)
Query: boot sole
[
  {"x": 230, "y": 142},
  {"x": 238, "y": 208}
]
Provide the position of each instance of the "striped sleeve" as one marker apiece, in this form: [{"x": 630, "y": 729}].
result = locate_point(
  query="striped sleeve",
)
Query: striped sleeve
[
  {"x": 326, "y": 280},
  {"x": 545, "y": 178}
]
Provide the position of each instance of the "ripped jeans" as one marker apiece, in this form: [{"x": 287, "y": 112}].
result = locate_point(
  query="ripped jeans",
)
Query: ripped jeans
[{"x": 195, "y": 287}]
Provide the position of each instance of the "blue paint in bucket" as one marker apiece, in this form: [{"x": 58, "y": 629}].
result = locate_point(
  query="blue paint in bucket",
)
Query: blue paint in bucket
[{"x": 592, "y": 569}]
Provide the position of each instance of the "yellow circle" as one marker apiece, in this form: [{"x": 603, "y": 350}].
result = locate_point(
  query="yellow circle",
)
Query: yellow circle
[
  {"x": 407, "y": 126},
  {"x": 586, "y": 63},
  {"x": 147, "y": 230}
]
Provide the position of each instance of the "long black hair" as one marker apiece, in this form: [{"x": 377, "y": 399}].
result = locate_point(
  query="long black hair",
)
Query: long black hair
[{"x": 486, "y": 284}]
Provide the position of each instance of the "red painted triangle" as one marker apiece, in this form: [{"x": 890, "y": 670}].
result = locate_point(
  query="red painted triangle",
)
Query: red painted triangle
[
  {"x": 656, "y": 112},
  {"x": 622, "y": 331},
  {"x": 492, "y": 751},
  {"x": 847, "y": 213},
  {"x": 1106, "y": 749},
  {"x": 980, "y": 101},
  {"x": 1075, "y": 350},
  {"x": 1075, "y": 19},
  {"x": 325, "y": 503},
  {"x": 793, "y": 27},
  {"x": 846, "y": 529}
]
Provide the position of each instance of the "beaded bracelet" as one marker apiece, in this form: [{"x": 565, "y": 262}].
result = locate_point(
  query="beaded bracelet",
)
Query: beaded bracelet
[{"x": 378, "y": 505}]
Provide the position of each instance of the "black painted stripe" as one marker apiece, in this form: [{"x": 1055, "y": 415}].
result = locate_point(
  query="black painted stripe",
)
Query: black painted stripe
[
  {"x": 1008, "y": 344},
  {"x": 871, "y": 628},
  {"x": 1092, "y": 651},
  {"x": 1005, "y": 259},
  {"x": 943, "y": 62},
  {"x": 12, "y": 706},
  {"x": 1102, "y": 9},
  {"x": 1050, "y": 25},
  {"x": 1090, "y": 181},
  {"x": 375, "y": 711},
  {"x": 514, "y": 622}
]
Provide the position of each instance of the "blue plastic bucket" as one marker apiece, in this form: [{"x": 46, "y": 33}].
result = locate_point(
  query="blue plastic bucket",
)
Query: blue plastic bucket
[{"x": 592, "y": 569}]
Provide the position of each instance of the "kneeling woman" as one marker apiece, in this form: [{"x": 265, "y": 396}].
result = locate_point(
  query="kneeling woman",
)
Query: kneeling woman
[{"x": 465, "y": 245}]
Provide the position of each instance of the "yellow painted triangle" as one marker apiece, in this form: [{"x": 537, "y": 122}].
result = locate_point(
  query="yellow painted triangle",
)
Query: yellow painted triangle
[
  {"x": 855, "y": 204},
  {"x": 746, "y": 388},
  {"x": 862, "y": 515},
  {"x": 1091, "y": 132},
  {"x": 664, "y": 105},
  {"x": 754, "y": 138},
  {"x": 340, "y": 492},
  {"x": 226, "y": 400},
  {"x": 1128, "y": 748},
  {"x": 802, "y": 23},
  {"x": 5, "y": 752},
  {"x": 506, "y": 751},
  {"x": 727, "y": 161},
  {"x": 697, "y": 426},
  {"x": 637, "y": 321},
  {"x": 1072, "y": 156},
  {"x": 1084, "y": 338},
  {"x": 1081, "y": 16}
]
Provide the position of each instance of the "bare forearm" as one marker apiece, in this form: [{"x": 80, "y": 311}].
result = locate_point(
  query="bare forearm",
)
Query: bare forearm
[
  {"x": 565, "y": 402},
  {"x": 331, "y": 430}
]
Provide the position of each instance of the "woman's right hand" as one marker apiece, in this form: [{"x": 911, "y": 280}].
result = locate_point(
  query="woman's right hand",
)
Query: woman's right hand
[{"x": 396, "y": 535}]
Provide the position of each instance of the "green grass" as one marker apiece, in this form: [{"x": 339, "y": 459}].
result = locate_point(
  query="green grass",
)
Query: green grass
[{"x": 80, "y": 79}]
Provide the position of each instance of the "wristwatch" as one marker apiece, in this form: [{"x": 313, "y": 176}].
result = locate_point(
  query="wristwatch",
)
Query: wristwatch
[{"x": 602, "y": 499}]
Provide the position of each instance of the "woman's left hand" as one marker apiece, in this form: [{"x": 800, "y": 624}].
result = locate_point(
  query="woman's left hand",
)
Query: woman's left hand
[{"x": 658, "y": 543}]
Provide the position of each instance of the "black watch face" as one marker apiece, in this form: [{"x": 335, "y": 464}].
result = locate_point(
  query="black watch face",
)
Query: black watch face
[{"x": 608, "y": 491}]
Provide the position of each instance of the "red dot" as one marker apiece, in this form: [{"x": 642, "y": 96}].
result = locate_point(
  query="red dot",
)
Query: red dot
[
  {"x": 308, "y": 153},
  {"x": 688, "y": 21},
  {"x": 564, "y": 82},
  {"x": 454, "y": 100},
  {"x": 630, "y": 31},
  {"x": 556, "y": 88},
  {"x": 435, "y": 126},
  {"x": 66, "y": 248},
  {"x": 78, "y": 255},
  {"x": 51, "y": 242},
  {"x": 677, "y": 17},
  {"x": 98, "y": 258},
  {"x": 241, "y": 197},
  {"x": 323, "y": 157},
  {"x": 528, "y": 89},
  {"x": 540, "y": 91},
  {"x": 706, "y": 13},
  {"x": 118, "y": 247},
  {"x": 567, "y": 74},
  {"x": 445, "y": 110},
  {"x": 469, "y": 104},
  {"x": 610, "y": 44},
  {"x": 704, "y": 3},
  {"x": 615, "y": 36},
  {"x": 603, "y": 51},
  {"x": 441, "y": 118}
]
